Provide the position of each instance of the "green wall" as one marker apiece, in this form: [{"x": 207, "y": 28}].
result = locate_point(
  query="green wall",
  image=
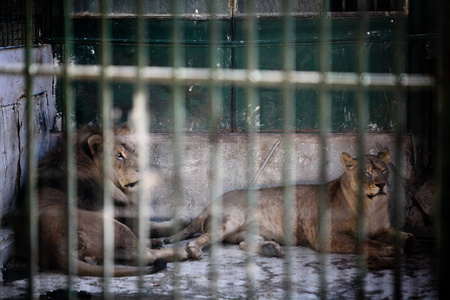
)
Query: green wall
[{"x": 195, "y": 41}]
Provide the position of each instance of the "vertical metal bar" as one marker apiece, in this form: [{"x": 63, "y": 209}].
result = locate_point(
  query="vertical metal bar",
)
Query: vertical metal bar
[
  {"x": 71, "y": 183},
  {"x": 443, "y": 140},
  {"x": 398, "y": 195},
  {"x": 361, "y": 114},
  {"x": 215, "y": 162},
  {"x": 31, "y": 154},
  {"x": 324, "y": 117},
  {"x": 252, "y": 103},
  {"x": 141, "y": 123},
  {"x": 289, "y": 130},
  {"x": 179, "y": 116},
  {"x": 106, "y": 105}
]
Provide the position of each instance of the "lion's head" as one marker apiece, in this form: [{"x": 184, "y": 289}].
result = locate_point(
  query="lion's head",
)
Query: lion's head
[
  {"x": 124, "y": 173},
  {"x": 375, "y": 173},
  {"x": 88, "y": 147}
]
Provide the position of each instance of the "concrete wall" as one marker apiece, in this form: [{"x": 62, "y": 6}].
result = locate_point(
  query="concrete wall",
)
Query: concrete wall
[
  {"x": 13, "y": 127},
  {"x": 196, "y": 171}
]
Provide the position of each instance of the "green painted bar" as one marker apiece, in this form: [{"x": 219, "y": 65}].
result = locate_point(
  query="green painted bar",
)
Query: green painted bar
[
  {"x": 252, "y": 102},
  {"x": 178, "y": 121},
  {"x": 362, "y": 112},
  {"x": 105, "y": 103},
  {"x": 215, "y": 111},
  {"x": 288, "y": 129},
  {"x": 324, "y": 116},
  {"x": 71, "y": 182},
  {"x": 31, "y": 180}
]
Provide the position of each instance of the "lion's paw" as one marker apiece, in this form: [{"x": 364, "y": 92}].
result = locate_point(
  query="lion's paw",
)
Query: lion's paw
[
  {"x": 193, "y": 251},
  {"x": 271, "y": 249}
]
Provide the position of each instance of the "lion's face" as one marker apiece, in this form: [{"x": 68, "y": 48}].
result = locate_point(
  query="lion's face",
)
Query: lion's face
[
  {"x": 124, "y": 159},
  {"x": 375, "y": 173}
]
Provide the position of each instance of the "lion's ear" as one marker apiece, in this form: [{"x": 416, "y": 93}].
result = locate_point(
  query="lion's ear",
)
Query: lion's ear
[
  {"x": 384, "y": 155},
  {"x": 348, "y": 162},
  {"x": 94, "y": 143}
]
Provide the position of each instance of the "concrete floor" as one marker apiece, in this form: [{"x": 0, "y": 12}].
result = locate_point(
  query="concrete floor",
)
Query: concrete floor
[{"x": 418, "y": 279}]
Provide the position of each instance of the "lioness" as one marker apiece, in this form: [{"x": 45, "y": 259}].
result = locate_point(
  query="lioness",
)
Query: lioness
[
  {"x": 52, "y": 207},
  {"x": 342, "y": 195}
]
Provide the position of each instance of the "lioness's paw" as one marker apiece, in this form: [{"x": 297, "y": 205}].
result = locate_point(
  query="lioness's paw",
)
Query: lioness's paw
[
  {"x": 271, "y": 249},
  {"x": 193, "y": 251},
  {"x": 411, "y": 244}
]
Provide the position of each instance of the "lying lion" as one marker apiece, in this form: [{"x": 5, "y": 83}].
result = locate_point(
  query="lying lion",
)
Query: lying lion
[
  {"x": 52, "y": 207},
  {"x": 342, "y": 198}
]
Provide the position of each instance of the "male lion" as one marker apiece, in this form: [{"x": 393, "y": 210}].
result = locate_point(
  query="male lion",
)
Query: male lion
[
  {"x": 52, "y": 207},
  {"x": 342, "y": 199}
]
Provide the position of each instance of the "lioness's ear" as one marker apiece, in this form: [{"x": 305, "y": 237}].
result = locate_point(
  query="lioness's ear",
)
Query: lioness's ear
[
  {"x": 384, "y": 155},
  {"x": 94, "y": 143},
  {"x": 348, "y": 162}
]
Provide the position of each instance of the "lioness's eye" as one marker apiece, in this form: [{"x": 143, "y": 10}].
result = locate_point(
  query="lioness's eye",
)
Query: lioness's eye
[
  {"x": 119, "y": 156},
  {"x": 368, "y": 174},
  {"x": 383, "y": 172}
]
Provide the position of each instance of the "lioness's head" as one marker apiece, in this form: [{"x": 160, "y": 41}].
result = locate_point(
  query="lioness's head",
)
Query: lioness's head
[
  {"x": 124, "y": 162},
  {"x": 375, "y": 173}
]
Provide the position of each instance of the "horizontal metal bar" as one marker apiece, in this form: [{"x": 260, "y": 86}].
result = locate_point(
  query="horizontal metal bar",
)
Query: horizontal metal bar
[{"x": 240, "y": 77}]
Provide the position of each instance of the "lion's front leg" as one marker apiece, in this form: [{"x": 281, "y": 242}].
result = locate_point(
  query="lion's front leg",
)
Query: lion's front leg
[
  {"x": 255, "y": 243},
  {"x": 168, "y": 254},
  {"x": 347, "y": 243},
  {"x": 379, "y": 255}
]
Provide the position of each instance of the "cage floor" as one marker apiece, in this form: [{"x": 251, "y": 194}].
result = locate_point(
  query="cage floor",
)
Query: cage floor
[{"x": 192, "y": 277}]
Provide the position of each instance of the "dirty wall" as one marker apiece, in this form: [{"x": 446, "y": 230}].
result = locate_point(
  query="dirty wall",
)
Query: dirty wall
[{"x": 13, "y": 125}]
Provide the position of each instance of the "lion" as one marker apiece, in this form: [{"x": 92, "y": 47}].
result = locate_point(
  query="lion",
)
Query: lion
[
  {"x": 342, "y": 207},
  {"x": 52, "y": 207}
]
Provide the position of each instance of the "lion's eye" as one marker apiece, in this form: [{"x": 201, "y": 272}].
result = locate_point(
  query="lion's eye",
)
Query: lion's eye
[
  {"x": 368, "y": 174},
  {"x": 119, "y": 156},
  {"x": 383, "y": 171}
]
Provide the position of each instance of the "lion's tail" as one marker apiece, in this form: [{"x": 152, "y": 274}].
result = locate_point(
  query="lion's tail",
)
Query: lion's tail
[
  {"x": 190, "y": 230},
  {"x": 85, "y": 269}
]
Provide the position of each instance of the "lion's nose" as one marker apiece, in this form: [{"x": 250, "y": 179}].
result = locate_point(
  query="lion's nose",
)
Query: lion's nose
[{"x": 380, "y": 185}]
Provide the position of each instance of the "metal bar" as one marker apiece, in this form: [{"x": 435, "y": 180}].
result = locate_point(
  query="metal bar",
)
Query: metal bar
[
  {"x": 362, "y": 119},
  {"x": 324, "y": 119},
  {"x": 252, "y": 111},
  {"x": 71, "y": 182},
  {"x": 31, "y": 198},
  {"x": 288, "y": 130},
  {"x": 238, "y": 77},
  {"x": 141, "y": 122},
  {"x": 106, "y": 107},
  {"x": 215, "y": 161},
  {"x": 443, "y": 141},
  {"x": 179, "y": 120},
  {"x": 400, "y": 129}
]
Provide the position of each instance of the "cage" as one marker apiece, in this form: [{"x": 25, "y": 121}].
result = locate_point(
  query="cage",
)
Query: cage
[{"x": 229, "y": 95}]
